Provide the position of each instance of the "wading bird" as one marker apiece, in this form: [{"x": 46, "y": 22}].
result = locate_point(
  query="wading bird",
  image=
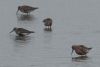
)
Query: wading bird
[
  {"x": 48, "y": 22},
  {"x": 80, "y": 49},
  {"x": 26, "y": 9},
  {"x": 21, "y": 31}
]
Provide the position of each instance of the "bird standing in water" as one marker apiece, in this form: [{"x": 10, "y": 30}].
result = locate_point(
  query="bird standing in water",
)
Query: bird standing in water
[
  {"x": 21, "y": 31},
  {"x": 80, "y": 49},
  {"x": 26, "y": 9},
  {"x": 48, "y": 22}
]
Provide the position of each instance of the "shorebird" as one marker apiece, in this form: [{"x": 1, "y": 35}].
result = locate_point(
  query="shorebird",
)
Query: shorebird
[
  {"x": 80, "y": 49},
  {"x": 26, "y": 9},
  {"x": 21, "y": 31},
  {"x": 48, "y": 22}
]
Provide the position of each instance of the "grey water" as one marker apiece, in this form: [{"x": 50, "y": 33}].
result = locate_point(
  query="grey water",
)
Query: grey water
[{"x": 74, "y": 22}]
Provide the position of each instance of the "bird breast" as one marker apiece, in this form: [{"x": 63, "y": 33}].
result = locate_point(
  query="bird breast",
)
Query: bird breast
[{"x": 48, "y": 23}]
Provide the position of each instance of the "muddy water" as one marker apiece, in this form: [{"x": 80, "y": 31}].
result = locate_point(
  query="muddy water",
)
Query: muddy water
[{"x": 74, "y": 22}]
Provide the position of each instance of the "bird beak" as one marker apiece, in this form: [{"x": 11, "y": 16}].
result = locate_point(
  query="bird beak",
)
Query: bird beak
[
  {"x": 11, "y": 31},
  {"x": 72, "y": 52},
  {"x": 36, "y": 8},
  {"x": 17, "y": 11}
]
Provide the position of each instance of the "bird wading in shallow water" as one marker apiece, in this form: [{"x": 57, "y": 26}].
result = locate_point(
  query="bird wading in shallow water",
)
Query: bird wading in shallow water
[
  {"x": 80, "y": 49},
  {"x": 21, "y": 31},
  {"x": 26, "y": 9},
  {"x": 48, "y": 22}
]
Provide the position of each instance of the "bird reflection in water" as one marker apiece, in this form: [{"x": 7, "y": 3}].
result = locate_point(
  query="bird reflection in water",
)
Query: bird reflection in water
[
  {"x": 22, "y": 38},
  {"x": 48, "y": 29},
  {"x": 80, "y": 58},
  {"x": 25, "y": 17}
]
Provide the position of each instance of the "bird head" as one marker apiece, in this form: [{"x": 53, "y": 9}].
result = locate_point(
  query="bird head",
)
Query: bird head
[
  {"x": 14, "y": 29},
  {"x": 73, "y": 48},
  {"x": 19, "y": 7}
]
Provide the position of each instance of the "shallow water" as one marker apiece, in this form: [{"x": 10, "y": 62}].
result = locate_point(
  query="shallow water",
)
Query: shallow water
[{"x": 74, "y": 22}]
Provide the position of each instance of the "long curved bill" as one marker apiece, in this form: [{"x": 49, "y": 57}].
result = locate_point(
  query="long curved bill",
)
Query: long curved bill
[
  {"x": 72, "y": 52},
  {"x": 17, "y": 11},
  {"x": 11, "y": 31}
]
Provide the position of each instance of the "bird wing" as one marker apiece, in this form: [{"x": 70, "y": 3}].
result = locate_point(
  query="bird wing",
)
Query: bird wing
[
  {"x": 81, "y": 51},
  {"x": 85, "y": 48},
  {"x": 24, "y": 30},
  {"x": 27, "y": 7}
]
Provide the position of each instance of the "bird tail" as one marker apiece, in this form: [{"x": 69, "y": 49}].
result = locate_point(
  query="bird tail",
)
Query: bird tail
[
  {"x": 35, "y": 8},
  {"x": 32, "y": 32},
  {"x": 89, "y": 48}
]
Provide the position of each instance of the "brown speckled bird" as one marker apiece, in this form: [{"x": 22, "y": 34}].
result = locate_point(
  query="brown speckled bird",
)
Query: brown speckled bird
[
  {"x": 80, "y": 49},
  {"x": 48, "y": 22},
  {"x": 21, "y": 31},
  {"x": 26, "y": 9}
]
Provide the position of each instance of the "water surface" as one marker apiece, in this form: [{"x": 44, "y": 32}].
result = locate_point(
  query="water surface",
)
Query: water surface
[{"x": 74, "y": 22}]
